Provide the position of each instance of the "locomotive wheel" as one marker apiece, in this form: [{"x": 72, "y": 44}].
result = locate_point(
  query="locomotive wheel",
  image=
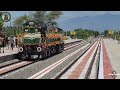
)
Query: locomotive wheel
[
  {"x": 60, "y": 48},
  {"x": 48, "y": 52},
  {"x": 55, "y": 50},
  {"x": 45, "y": 54},
  {"x": 41, "y": 55},
  {"x": 52, "y": 50}
]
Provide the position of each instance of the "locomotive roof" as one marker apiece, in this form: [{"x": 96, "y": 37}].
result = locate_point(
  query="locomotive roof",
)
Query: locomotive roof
[
  {"x": 42, "y": 24},
  {"x": 34, "y": 23}
]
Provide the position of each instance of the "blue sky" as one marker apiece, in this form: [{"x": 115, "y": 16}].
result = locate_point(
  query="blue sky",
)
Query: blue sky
[{"x": 66, "y": 14}]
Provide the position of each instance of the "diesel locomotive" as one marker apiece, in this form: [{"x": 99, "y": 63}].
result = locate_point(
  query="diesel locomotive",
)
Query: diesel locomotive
[{"x": 38, "y": 40}]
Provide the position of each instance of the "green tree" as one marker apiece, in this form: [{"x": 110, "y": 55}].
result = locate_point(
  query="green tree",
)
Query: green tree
[
  {"x": 1, "y": 23},
  {"x": 52, "y": 15},
  {"x": 106, "y": 32},
  {"x": 85, "y": 33},
  {"x": 39, "y": 16},
  {"x": 96, "y": 33},
  {"x": 19, "y": 21},
  {"x": 49, "y": 17}
]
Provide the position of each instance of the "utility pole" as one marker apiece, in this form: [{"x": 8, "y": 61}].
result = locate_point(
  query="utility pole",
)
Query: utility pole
[
  {"x": 0, "y": 29},
  {"x": 10, "y": 26},
  {"x": 5, "y": 18},
  {"x": 3, "y": 39}
]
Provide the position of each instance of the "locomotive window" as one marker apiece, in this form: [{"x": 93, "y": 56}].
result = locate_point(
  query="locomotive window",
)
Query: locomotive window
[
  {"x": 58, "y": 39},
  {"x": 37, "y": 40},
  {"x": 55, "y": 39}
]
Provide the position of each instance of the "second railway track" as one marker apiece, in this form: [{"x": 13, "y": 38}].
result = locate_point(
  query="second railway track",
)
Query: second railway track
[{"x": 83, "y": 67}]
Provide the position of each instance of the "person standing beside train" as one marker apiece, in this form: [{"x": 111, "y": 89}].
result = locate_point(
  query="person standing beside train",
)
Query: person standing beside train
[
  {"x": 12, "y": 42},
  {"x": 1, "y": 42},
  {"x": 9, "y": 43}
]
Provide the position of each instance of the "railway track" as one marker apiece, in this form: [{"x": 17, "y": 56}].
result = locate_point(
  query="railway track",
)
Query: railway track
[
  {"x": 19, "y": 64},
  {"x": 82, "y": 67}
]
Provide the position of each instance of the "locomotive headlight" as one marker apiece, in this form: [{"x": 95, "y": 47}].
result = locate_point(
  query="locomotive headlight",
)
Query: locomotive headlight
[
  {"x": 39, "y": 49},
  {"x": 20, "y": 49}
]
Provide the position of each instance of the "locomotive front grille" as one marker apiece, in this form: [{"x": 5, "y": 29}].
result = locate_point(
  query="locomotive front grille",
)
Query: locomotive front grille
[{"x": 31, "y": 49}]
